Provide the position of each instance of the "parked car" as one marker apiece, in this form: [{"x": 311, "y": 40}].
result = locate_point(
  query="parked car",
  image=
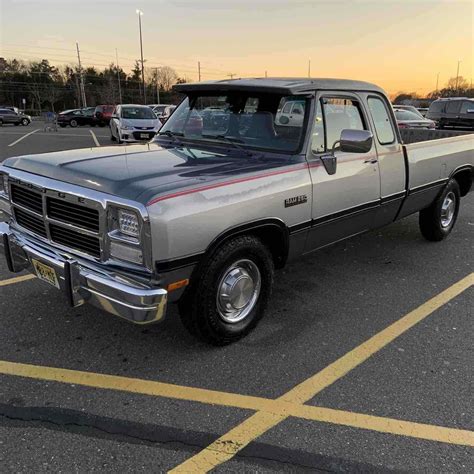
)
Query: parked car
[
  {"x": 410, "y": 108},
  {"x": 133, "y": 123},
  {"x": 452, "y": 112},
  {"x": 408, "y": 119},
  {"x": 291, "y": 114},
  {"x": 75, "y": 118},
  {"x": 103, "y": 114},
  {"x": 203, "y": 217},
  {"x": 9, "y": 115},
  {"x": 163, "y": 111},
  {"x": 90, "y": 112}
]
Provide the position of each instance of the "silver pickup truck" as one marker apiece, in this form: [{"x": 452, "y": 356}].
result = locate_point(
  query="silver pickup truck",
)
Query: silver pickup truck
[{"x": 229, "y": 190}]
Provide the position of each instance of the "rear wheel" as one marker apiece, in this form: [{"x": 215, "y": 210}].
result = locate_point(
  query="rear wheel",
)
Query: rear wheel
[
  {"x": 230, "y": 293},
  {"x": 73, "y": 123},
  {"x": 437, "y": 221},
  {"x": 25, "y": 122}
]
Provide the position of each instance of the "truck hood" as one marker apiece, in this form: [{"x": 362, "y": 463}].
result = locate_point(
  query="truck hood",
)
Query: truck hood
[{"x": 140, "y": 172}]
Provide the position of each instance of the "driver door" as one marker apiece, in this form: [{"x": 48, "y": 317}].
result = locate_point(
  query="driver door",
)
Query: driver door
[{"x": 346, "y": 202}]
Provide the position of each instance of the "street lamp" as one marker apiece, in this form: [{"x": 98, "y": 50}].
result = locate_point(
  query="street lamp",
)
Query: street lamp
[
  {"x": 140, "y": 13},
  {"x": 457, "y": 76}
]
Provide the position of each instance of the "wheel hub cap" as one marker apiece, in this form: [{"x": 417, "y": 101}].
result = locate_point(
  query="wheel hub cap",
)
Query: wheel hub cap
[
  {"x": 238, "y": 291},
  {"x": 447, "y": 209}
]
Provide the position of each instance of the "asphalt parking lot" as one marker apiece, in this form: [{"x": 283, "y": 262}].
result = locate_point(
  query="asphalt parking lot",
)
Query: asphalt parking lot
[{"x": 364, "y": 362}]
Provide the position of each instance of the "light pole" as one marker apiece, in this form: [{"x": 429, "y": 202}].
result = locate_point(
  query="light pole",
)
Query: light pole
[
  {"x": 457, "y": 76},
  {"x": 140, "y": 13}
]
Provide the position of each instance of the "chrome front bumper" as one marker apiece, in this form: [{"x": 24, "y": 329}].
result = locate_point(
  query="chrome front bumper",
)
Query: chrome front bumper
[{"x": 81, "y": 284}]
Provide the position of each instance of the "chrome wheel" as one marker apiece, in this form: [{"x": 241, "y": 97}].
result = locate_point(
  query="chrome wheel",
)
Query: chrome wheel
[
  {"x": 238, "y": 291},
  {"x": 447, "y": 209}
]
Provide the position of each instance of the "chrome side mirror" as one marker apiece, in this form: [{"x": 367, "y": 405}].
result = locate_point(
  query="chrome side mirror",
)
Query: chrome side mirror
[{"x": 356, "y": 141}]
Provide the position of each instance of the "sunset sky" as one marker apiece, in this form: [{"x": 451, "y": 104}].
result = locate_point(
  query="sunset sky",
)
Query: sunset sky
[{"x": 401, "y": 45}]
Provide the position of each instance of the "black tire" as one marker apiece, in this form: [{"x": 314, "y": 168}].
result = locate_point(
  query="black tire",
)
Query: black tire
[
  {"x": 198, "y": 307},
  {"x": 435, "y": 224},
  {"x": 62, "y": 125},
  {"x": 16, "y": 124},
  {"x": 73, "y": 123},
  {"x": 1, "y": 123},
  {"x": 25, "y": 122}
]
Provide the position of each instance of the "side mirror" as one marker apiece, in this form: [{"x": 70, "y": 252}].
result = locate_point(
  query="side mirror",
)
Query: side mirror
[{"x": 356, "y": 141}]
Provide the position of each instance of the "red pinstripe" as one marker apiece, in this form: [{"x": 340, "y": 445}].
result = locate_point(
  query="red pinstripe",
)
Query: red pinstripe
[{"x": 225, "y": 183}]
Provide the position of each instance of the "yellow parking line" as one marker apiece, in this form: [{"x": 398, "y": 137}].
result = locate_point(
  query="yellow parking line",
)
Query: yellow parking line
[
  {"x": 236, "y": 439},
  {"x": 273, "y": 411},
  {"x": 19, "y": 279}
]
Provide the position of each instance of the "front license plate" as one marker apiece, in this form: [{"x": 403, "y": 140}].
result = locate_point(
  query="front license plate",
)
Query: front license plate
[
  {"x": 144, "y": 135},
  {"x": 45, "y": 273}
]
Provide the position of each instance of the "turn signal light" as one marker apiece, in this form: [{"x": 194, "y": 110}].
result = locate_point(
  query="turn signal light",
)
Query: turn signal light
[{"x": 177, "y": 285}]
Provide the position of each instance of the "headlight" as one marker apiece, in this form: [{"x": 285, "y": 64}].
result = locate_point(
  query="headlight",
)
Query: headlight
[{"x": 128, "y": 223}]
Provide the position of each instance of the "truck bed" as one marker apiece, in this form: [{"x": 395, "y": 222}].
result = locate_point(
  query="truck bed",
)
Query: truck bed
[{"x": 414, "y": 135}]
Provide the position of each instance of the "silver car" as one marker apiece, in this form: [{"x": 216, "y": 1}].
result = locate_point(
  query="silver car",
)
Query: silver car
[{"x": 133, "y": 123}]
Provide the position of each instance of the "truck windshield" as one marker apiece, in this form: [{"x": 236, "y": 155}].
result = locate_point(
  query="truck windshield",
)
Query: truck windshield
[{"x": 250, "y": 120}]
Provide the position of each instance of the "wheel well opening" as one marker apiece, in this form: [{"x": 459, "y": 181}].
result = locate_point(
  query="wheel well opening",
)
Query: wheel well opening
[
  {"x": 464, "y": 179},
  {"x": 276, "y": 239}
]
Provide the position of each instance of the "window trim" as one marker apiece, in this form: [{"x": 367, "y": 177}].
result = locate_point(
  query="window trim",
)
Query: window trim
[{"x": 389, "y": 116}]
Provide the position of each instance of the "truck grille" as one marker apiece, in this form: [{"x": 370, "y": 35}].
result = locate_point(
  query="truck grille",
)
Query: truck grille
[
  {"x": 81, "y": 229},
  {"x": 71, "y": 238},
  {"x": 30, "y": 222},
  {"x": 70, "y": 213},
  {"x": 27, "y": 198}
]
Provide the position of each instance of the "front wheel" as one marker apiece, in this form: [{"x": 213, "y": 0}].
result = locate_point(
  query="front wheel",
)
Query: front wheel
[
  {"x": 73, "y": 123},
  {"x": 231, "y": 292},
  {"x": 25, "y": 122},
  {"x": 437, "y": 221}
]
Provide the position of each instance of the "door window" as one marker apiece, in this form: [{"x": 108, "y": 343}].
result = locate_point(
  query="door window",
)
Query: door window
[
  {"x": 298, "y": 109},
  {"x": 338, "y": 114},
  {"x": 467, "y": 105},
  {"x": 453, "y": 107},
  {"x": 383, "y": 125},
  {"x": 287, "y": 108}
]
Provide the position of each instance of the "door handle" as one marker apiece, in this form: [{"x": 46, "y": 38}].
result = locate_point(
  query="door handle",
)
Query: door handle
[{"x": 372, "y": 160}]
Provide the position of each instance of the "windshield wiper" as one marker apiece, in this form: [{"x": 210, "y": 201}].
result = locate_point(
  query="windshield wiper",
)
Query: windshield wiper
[
  {"x": 233, "y": 141},
  {"x": 170, "y": 134}
]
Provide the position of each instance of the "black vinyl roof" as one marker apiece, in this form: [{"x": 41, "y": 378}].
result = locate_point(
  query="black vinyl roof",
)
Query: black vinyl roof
[{"x": 278, "y": 85}]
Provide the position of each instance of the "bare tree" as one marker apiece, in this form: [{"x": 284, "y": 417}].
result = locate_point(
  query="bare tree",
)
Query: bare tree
[{"x": 167, "y": 77}]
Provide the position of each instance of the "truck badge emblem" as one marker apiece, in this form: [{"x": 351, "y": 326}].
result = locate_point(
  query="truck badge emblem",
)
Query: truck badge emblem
[{"x": 294, "y": 201}]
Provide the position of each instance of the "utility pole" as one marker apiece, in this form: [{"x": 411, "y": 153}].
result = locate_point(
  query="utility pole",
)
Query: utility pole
[
  {"x": 309, "y": 67},
  {"x": 157, "y": 87},
  {"x": 199, "y": 71},
  {"x": 140, "y": 13},
  {"x": 266, "y": 75},
  {"x": 118, "y": 76},
  {"x": 81, "y": 78},
  {"x": 457, "y": 76},
  {"x": 437, "y": 82},
  {"x": 231, "y": 75}
]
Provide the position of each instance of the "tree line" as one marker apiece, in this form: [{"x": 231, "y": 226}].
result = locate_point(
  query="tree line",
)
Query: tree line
[
  {"x": 45, "y": 87},
  {"x": 455, "y": 87}
]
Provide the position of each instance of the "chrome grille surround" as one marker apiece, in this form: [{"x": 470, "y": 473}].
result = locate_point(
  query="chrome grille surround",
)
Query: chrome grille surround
[{"x": 88, "y": 199}]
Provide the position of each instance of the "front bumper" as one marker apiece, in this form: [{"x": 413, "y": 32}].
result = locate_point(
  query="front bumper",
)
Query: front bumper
[
  {"x": 82, "y": 284},
  {"x": 134, "y": 136}
]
